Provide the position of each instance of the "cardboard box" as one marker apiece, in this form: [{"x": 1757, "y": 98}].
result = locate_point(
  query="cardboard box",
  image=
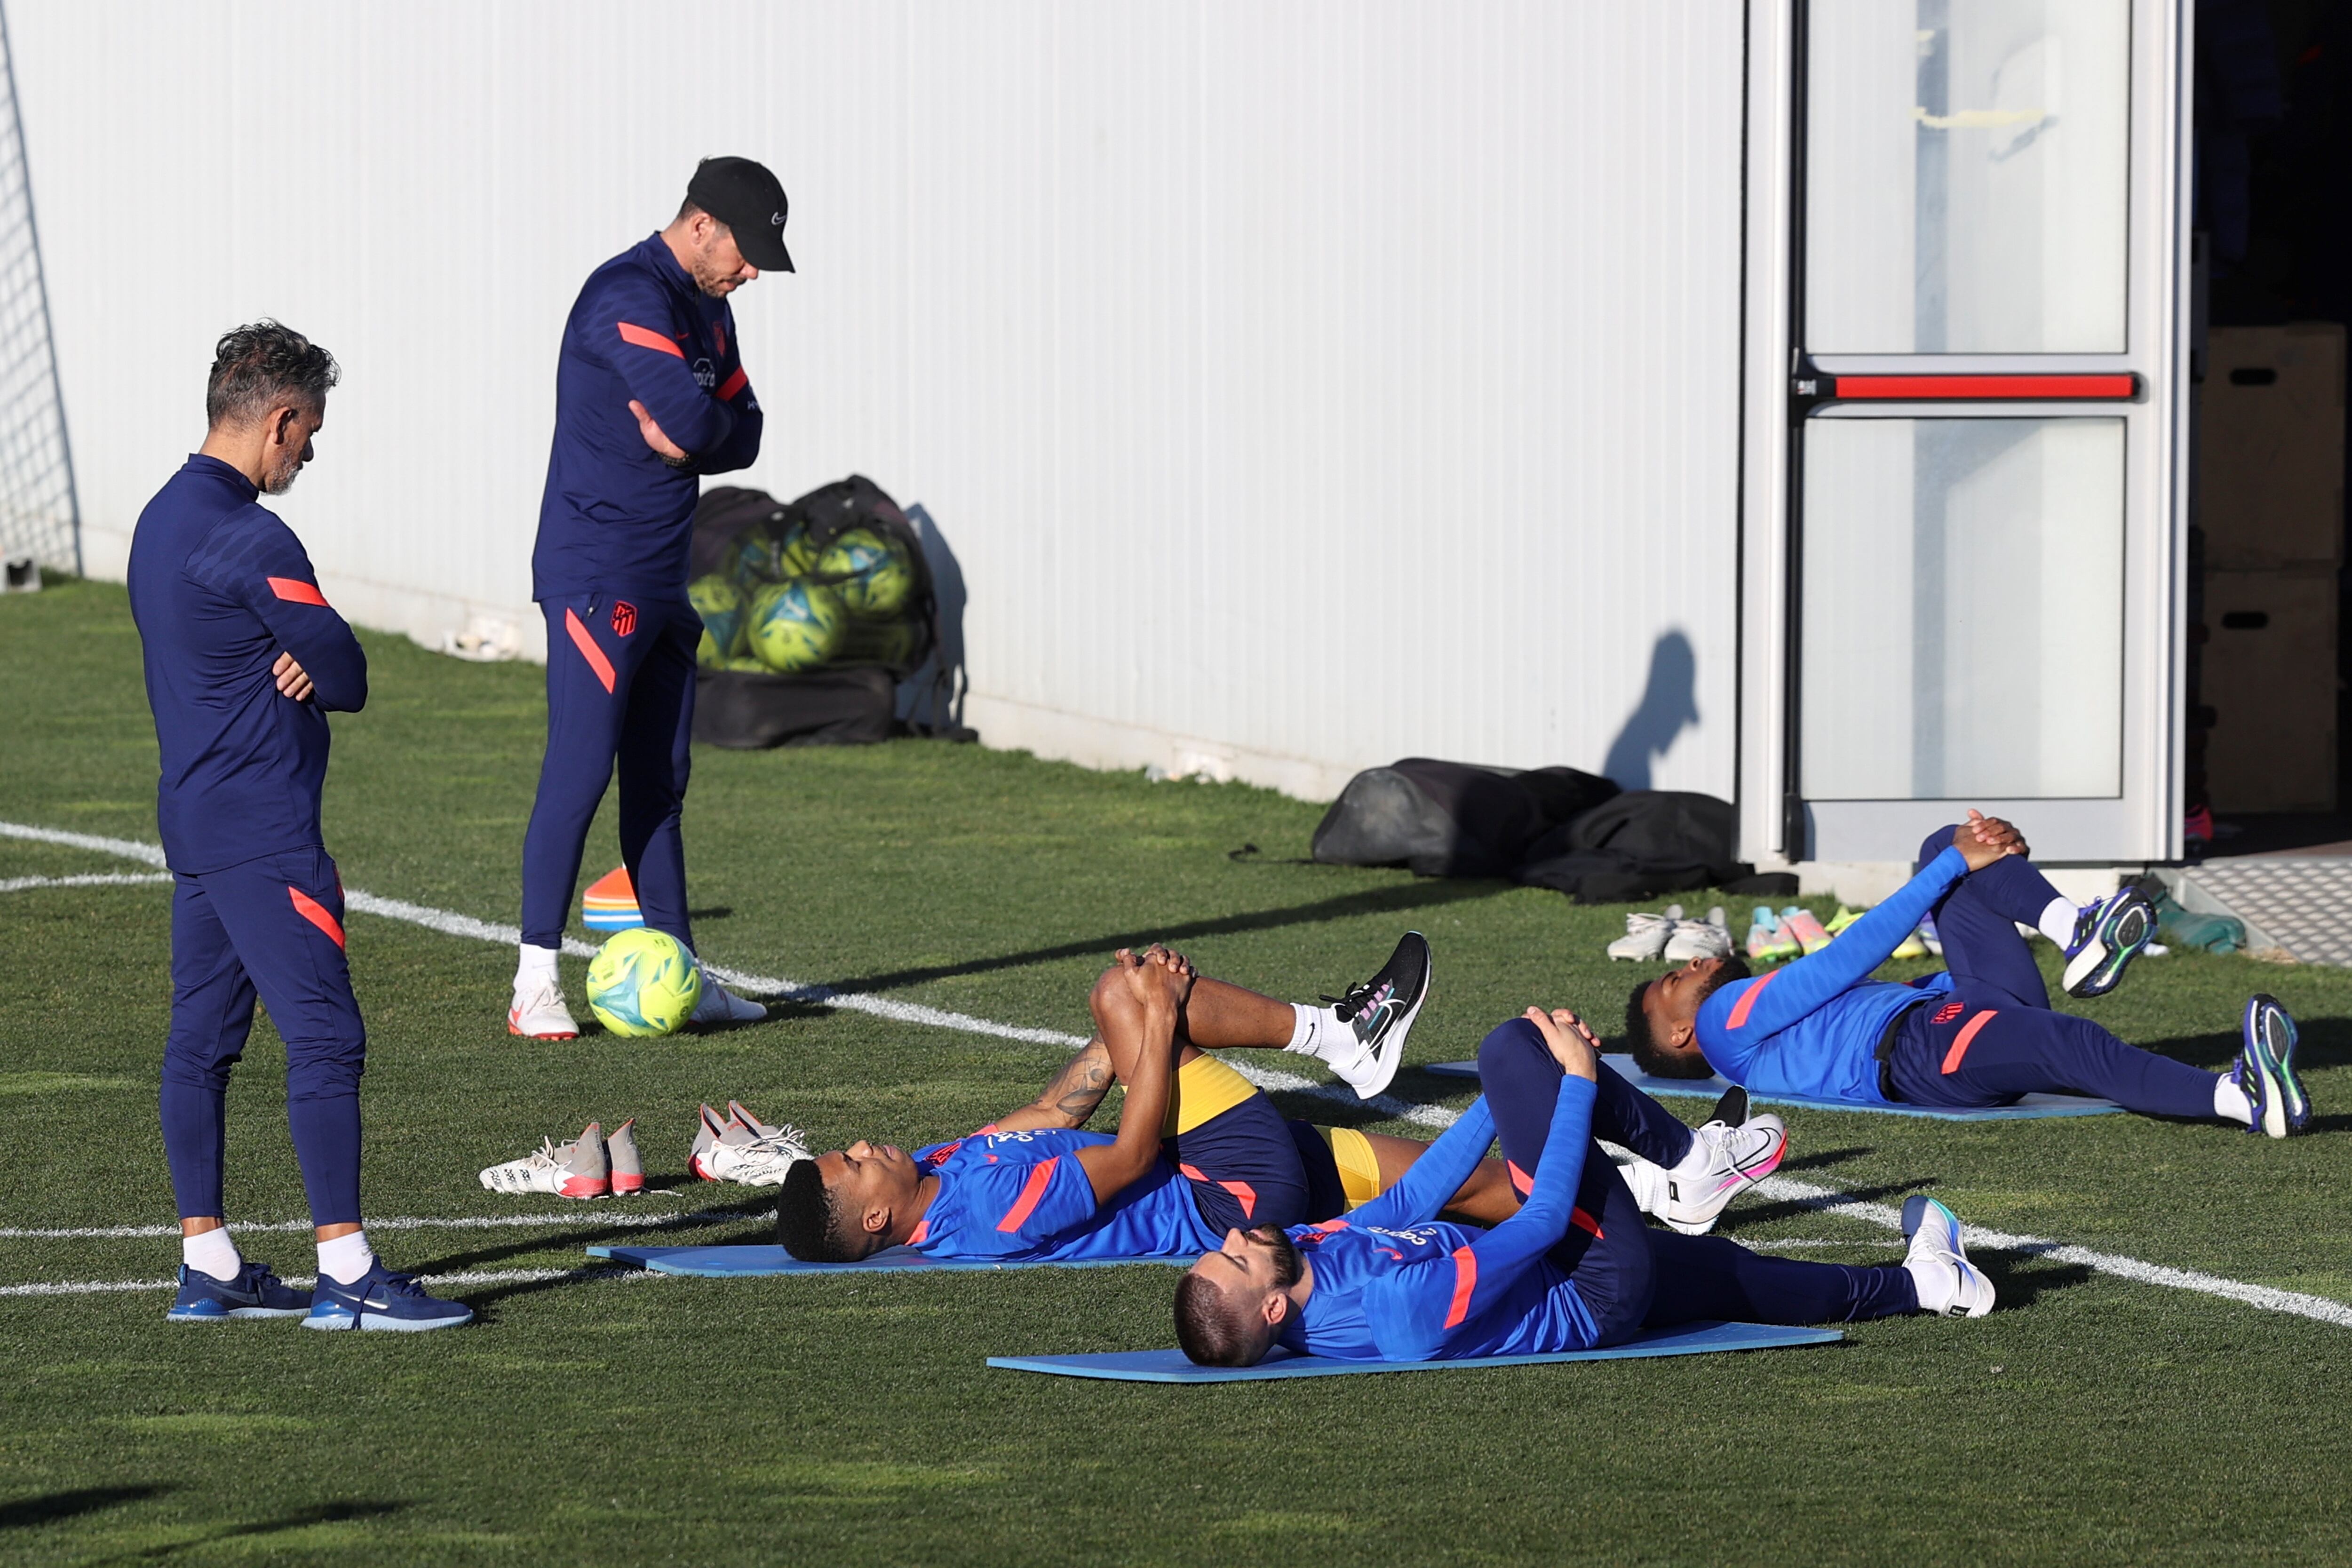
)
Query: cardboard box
[
  {"x": 2270, "y": 448},
  {"x": 2270, "y": 677}
]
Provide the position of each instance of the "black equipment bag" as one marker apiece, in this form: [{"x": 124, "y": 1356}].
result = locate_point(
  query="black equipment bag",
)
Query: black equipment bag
[
  {"x": 1451, "y": 819},
  {"x": 851, "y": 706}
]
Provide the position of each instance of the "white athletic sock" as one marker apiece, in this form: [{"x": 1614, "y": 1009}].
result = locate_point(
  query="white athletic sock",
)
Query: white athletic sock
[
  {"x": 2230, "y": 1102},
  {"x": 1314, "y": 1031},
  {"x": 212, "y": 1252},
  {"x": 347, "y": 1257},
  {"x": 2057, "y": 922},
  {"x": 534, "y": 967}
]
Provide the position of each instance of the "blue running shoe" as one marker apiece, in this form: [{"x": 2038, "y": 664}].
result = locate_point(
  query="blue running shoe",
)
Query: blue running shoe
[
  {"x": 383, "y": 1300},
  {"x": 2265, "y": 1070},
  {"x": 255, "y": 1292},
  {"x": 2109, "y": 935}
]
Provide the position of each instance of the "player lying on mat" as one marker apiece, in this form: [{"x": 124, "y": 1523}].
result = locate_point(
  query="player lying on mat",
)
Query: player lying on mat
[
  {"x": 1981, "y": 1034},
  {"x": 1574, "y": 1268},
  {"x": 1199, "y": 1147}
]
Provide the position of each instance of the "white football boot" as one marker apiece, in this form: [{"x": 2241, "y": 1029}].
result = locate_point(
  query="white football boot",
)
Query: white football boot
[
  {"x": 745, "y": 1150},
  {"x": 579, "y": 1168},
  {"x": 719, "y": 1005},
  {"x": 1709, "y": 938},
  {"x": 539, "y": 1014},
  {"x": 1646, "y": 936},
  {"x": 621, "y": 1153},
  {"x": 1949, "y": 1285}
]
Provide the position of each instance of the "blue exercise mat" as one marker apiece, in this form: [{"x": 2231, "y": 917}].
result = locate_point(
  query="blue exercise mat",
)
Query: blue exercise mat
[
  {"x": 2027, "y": 1108},
  {"x": 743, "y": 1262},
  {"x": 1170, "y": 1367}
]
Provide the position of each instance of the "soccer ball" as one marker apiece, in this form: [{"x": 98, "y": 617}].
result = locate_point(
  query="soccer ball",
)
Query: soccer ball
[
  {"x": 644, "y": 982},
  {"x": 721, "y": 605},
  {"x": 875, "y": 579},
  {"x": 796, "y": 555},
  {"x": 756, "y": 556},
  {"x": 795, "y": 626}
]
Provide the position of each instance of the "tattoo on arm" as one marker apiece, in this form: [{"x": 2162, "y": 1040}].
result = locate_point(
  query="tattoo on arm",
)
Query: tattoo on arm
[{"x": 1078, "y": 1089}]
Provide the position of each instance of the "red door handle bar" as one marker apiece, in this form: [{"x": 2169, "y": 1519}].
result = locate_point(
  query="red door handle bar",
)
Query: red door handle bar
[{"x": 1983, "y": 388}]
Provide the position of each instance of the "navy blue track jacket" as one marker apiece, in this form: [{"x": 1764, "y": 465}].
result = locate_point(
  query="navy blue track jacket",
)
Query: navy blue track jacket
[
  {"x": 615, "y": 518},
  {"x": 219, "y": 588}
]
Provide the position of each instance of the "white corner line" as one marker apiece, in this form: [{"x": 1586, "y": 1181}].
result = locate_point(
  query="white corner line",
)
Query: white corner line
[{"x": 1784, "y": 1188}]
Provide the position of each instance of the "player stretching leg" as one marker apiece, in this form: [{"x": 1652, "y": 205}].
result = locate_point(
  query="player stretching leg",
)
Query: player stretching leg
[
  {"x": 1199, "y": 1148},
  {"x": 244, "y": 661},
  {"x": 1982, "y": 1034},
  {"x": 650, "y": 394},
  {"x": 1575, "y": 1268}
]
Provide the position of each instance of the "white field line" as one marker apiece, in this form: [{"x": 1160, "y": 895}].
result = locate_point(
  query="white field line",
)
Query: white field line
[
  {"x": 1434, "y": 1116},
  {"x": 96, "y": 880},
  {"x": 474, "y": 1277}
]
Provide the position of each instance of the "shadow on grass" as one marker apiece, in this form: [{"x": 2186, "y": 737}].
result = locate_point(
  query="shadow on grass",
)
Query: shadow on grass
[
  {"x": 50, "y": 1507},
  {"x": 2319, "y": 1043},
  {"x": 300, "y": 1519},
  {"x": 1417, "y": 895},
  {"x": 1786, "y": 1208},
  {"x": 2021, "y": 1279}
]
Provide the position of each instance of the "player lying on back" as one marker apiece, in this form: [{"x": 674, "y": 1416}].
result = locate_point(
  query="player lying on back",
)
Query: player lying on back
[
  {"x": 1982, "y": 1034},
  {"x": 1199, "y": 1147},
  {"x": 1574, "y": 1268}
]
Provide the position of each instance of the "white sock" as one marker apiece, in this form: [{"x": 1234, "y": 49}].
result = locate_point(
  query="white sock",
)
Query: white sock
[
  {"x": 347, "y": 1257},
  {"x": 212, "y": 1252},
  {"x": 534, "y": 967},
  {"x": 1314, "y": 1031},
  {"x": 2230, "y": 1102},
  {"x": 2057, "y": 922}
]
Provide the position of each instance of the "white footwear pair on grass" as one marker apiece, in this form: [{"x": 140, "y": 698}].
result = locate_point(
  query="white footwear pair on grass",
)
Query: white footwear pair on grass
[
  {"x": 742, "y": 1149},
  {"x": 591, "y": 1165},
  {"x": 1674, "y": 937},
  {"x": 538, "y": 1011}
]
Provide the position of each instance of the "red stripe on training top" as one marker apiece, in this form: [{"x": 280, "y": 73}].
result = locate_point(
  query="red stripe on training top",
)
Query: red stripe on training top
[
  {"x": 646, "y": 337},
  {"x": 1583, "y": 1221},
  {"x": 1942, "y": 388},
  {"x": 1521, "y": 1181},
  {"x": 734, "y": 385},
  {"x": 1026, "y": 1204},
  {"x": 588, "y": 649},
  {"x": 297, "y": 591},
  {"x": 1465, "y": 1280},
  {"x": 1968, "y": 1032},
  {"x": 1747, "y": 1002},
  {"x": 311, "y": 909},
  {"x": 920, "y": 1234}
]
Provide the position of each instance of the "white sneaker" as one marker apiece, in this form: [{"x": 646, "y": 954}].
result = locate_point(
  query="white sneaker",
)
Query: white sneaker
[
  {"x": 1646, "y": 936},
  {"x": 540, "y": 1014},
  {"x": 1723, "y": 1160},
  {"x": 744, "y": 1150},
  {"x": 720, "y": 1006},
  {"x": 1949, "y": 1285},
  {"x": 1709, "y": 938},
  {"x": 576, "y": 1170}
]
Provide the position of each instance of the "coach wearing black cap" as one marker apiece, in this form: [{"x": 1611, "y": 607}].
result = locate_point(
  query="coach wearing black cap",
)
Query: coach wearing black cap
[{"x": 650, "y": 394}]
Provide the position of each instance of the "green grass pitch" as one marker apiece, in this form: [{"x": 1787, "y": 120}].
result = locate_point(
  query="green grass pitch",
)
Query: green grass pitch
[{"x": 2091, "y": 1419}]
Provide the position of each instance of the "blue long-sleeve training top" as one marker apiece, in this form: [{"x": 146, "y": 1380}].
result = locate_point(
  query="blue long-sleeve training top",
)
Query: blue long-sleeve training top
[
  {"x": 219, "y": 588},
  {"x": 616, "y": 517},
  {"x": 1813, "y": 1028}
]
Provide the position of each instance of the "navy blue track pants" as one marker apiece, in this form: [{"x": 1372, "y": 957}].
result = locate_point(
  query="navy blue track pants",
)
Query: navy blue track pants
[
  {"x": 272, "y": 926},
  {"x": 619, "y": 685},
  {"x": 1629, "y": 1275},
  {"x": 1995, "y": 1036}
]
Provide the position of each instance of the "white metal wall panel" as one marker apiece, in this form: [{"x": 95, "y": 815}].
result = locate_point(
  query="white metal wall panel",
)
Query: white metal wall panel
[{"x": 1300, "y": 386}]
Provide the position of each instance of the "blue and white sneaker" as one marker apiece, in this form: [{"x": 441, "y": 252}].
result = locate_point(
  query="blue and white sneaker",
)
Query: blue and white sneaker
[
  {"x": 255, "y": 1292},
  {"x": 2107, "y": 936},
  {"x": 1949, "y": 1286},
  {"x": 2265, "y": 1070},
  {"x": 1376, "y": 1015},
  {"x": 383, "y": 1300}
]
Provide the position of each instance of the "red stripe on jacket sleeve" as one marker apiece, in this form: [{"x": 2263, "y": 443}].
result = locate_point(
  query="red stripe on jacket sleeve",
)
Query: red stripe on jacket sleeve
[
  {"x": 733, "y": 385},
  {"x": 297, "y": 591},
  {"x": 317, "y": 913},
  {"x": 1747, "y": 1002},
  {"x": 1465, "y": 1280},
  {"x": 1026, "y": 1204},
  {"x": 1968, "y": 1032},
  {"x": 646, "y": 337},
  {"x": 589, "y": 650}
]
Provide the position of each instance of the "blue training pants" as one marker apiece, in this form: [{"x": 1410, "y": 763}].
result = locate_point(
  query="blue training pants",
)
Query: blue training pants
[
  {"x": 1632, "y": 1275},
  {"x": 619, "y": 685},
  {"x": 1995, "y": 1038},
  {"x": 275, "y": 926}
]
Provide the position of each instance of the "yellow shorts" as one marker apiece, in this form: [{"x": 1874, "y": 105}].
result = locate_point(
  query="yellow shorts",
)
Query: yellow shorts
[
  {"x": 1360, "y": 1168},
  {"x": 1204, "y": 1089}
]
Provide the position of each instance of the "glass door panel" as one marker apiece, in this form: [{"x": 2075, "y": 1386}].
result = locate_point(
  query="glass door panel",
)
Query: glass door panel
[
  {"x": 1967, "y": 171},
  {"x": 1962, "y": 606}
]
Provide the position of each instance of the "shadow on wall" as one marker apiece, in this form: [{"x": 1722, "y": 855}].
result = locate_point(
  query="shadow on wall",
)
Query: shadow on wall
[
  {"x": 932, "y": 697},
  {"x": 1669, "y": 705}
]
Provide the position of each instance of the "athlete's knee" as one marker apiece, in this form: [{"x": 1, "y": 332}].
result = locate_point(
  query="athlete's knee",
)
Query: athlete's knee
[
  {"x": 1513, "y": 1047},
  {"x": 1935, "y": 842},
  {"x": 325, "y": 1068}
]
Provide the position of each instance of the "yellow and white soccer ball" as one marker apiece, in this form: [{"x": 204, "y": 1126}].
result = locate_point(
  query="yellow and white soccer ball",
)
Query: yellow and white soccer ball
[{"x": 644, "y": 982}]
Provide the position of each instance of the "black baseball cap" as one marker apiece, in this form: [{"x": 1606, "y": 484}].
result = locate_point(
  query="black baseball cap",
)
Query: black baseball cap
[{"x": 748, "y": 199}]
